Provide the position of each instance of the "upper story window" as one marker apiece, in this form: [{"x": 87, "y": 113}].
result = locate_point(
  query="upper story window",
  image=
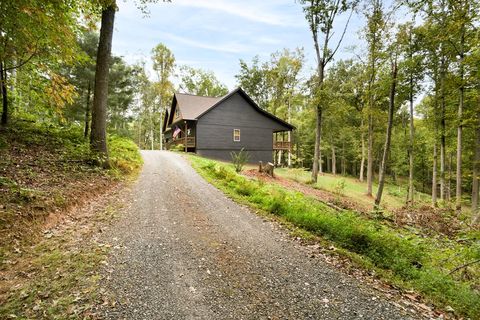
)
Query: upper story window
[
  {"x": 177, "y": 113},
  {"x": 236, "y": 134}
]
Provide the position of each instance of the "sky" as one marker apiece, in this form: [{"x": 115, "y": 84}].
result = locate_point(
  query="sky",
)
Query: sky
[{"x": 215, "y": 34}]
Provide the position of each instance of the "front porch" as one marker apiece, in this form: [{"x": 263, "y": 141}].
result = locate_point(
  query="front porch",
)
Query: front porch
[
  {"x": 182, "y": 133},
  {"x": 188, "y": 142}
]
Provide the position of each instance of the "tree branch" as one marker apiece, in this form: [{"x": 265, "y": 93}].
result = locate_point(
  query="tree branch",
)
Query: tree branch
[
  {"x": 341, "y": 38},
  {"x": 464, "y": 266},
  {"x": 21, "y": 64}
]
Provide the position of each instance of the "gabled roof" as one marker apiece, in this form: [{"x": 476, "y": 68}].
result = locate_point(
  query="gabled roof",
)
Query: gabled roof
[{"x": 193, "y": 107}]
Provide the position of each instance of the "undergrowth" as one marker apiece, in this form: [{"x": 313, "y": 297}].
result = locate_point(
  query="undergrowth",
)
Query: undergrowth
[
  {"x": 403, "y": 257},
  {"x": 46, "y": 170}
]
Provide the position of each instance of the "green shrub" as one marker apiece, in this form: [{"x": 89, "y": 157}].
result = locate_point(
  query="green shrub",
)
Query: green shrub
[
  {"x": 124, "y": 155},
  {"x": 178, "y": 147},
  {"x": 239, "y": 159},
  {"x": 339, "y": 187}
]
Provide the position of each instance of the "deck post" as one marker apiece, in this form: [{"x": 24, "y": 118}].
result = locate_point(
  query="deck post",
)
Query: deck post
[
  {"x": 186, "y": 137},
  {"x": 289, "y": 149}
]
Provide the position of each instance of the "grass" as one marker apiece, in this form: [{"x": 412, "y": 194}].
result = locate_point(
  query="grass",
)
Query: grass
[
  {"x": 400, "y": 256},
  {"x": 394, "y": 195}
]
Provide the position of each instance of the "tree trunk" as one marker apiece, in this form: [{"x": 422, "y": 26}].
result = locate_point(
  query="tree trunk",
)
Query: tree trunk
[
  {"x": 98, "y": 137},
  {"x": 411, "y": 146},
  {"x": 317, "y": 157},
  {"x": 87, "y": 111},
  {"x": 3, "y": 89},
  {"x": 370, "y": 156},
  {"x": 434, "y": 175},
  {"x": 381, "y": 178},
  {"x": 458, "y": 193},
  {"x": 362, "y": 162},
  {"x": 161, "y": 123},
  {"x": 476, "y": 169},
  {"x": 449, "y": 180},
  {"x": 151, "y": 137},
  {"x": 334, "y": 161},
  {"x": 443, "y": 130}
]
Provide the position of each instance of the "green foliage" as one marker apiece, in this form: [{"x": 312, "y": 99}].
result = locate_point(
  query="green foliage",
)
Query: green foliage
[
  {"x": 200, "y": 82},
  {"x": 239, "y": 159},
  {"x": 407, "y": 257},
  {"x": 178, "y": 147},
  {"x": 124, "y": 155},
  {"x": 339, "y": 186}
]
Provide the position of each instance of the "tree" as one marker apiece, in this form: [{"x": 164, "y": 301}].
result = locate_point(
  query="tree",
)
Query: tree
[
  {"x": 374, "y": 30},
  {"x": 388, "y": 135},
  {"x": 409, "y": 42},
  {"x": 321, "y": 15},
  {"x": 163, "y": 64},
  {"x": 253, "y": 79},
  {"x": 35, "y": 32},
  {"x": 98, "y": 139},
  {"x": 200, "y": 82}
]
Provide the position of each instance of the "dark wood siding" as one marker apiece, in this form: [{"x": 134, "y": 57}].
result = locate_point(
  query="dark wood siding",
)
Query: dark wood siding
[{"x": 215, "y": 131}]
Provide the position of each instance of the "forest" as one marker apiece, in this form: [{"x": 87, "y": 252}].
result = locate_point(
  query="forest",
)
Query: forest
[
  {"x": 393, "y": 132},
  {"x": 405, "y": 110}
]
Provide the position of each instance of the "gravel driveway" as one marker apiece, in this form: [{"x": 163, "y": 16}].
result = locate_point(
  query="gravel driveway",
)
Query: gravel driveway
[{"x": 182, "y": 250}]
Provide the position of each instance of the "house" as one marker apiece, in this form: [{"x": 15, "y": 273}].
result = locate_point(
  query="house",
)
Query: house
[{"x": 214, "y": 127}]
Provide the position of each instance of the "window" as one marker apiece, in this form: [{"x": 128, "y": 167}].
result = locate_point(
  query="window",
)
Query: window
[{"x": 236, "y": 134}]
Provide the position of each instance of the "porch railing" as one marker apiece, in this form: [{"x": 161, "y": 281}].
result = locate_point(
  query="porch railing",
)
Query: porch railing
[
  {"x": 190, "y": 142},
  {"x": 282, "y": 145}
]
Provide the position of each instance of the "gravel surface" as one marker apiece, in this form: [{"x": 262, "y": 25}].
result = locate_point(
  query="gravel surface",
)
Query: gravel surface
[{"x": 182, "y": 250}]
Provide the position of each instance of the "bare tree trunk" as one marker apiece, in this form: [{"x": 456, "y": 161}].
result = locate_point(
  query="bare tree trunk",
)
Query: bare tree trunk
[
  {"x": 98, "y": 137},
  {"x": 334, "y": 161},
  {"x": 344, "y": 169},
  {"x": 161, "y": 123},
  {"x": 443, "y": 130},
  {"x": 87, "y": 111},
  {"x": 3, "y": 89},
  {"x": 449, "y": 180},
  {"x": 370, "y": 156},
  {"x": 476, "y": 170},
  {"x": 318, "y": 138},
  {"x": 458, "y": 193},
  {"x": 317, "y": 157},
  {"x": 410, "y": 166},
  {"x": 434, "y": 175},
  {"x": 386, "y": 150},
  {"x": 362, "y": 162}
]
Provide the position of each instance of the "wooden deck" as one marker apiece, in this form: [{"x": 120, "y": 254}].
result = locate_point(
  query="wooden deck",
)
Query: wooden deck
[
  {"x": 190, "y": 142},
  {"x": 282, "y": 145}
]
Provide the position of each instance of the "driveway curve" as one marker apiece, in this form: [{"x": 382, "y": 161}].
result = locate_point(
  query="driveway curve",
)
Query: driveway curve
[{"x": 182, "y": 250}]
